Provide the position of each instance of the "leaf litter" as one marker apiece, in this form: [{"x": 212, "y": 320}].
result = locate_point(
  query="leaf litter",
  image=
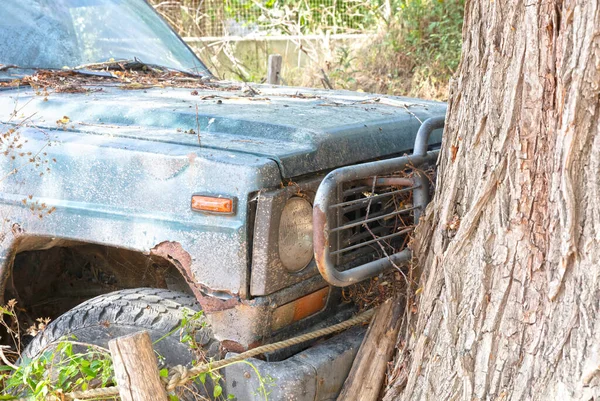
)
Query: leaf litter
[{"x": 83, "y": 81}]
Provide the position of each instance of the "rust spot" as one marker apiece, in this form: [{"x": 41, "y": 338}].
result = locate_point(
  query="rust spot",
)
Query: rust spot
[
  {"x": 173, "y": 252},
  {"x": 389, "y": 181},
  {"x": 320, "y": 239},
  {"x": 233, "y": 346},
  {"x": 181, "y": 259},
  {"x": 212, "y": 304}
]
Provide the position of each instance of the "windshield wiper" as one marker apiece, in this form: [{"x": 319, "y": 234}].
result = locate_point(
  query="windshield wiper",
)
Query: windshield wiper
[
  {"x": 96, "y": 68},
  {"x": 133, "y": 64},
  {"x": 6, "y": 67}
]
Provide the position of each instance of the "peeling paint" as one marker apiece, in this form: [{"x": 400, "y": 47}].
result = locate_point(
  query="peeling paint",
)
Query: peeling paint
[
  {"x": 182, "y": 260},
  {"x": 174, "y": 252}
]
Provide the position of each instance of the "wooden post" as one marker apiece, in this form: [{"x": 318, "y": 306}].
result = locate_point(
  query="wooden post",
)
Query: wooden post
[
  {"x": 274, "y": 69},
  {"x": 369, "y": 368},
  {"x": 136, "y": 368}
]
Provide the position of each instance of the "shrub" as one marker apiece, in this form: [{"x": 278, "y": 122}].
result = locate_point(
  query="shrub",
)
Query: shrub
[{"x": 414, "y": 48}]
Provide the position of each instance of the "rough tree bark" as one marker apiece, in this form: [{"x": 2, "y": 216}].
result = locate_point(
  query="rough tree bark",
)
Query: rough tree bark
[{"x": 509, "y": 251}]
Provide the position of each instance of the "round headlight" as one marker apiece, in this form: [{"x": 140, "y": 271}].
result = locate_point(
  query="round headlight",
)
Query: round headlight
[{"x": 296, "y": 235}]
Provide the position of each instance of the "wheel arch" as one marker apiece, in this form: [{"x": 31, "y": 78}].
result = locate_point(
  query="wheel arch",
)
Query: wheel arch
[{"x": 48, "y": 276}]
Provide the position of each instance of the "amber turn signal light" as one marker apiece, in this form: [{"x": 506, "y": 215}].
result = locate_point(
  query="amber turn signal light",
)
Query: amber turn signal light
[
  {"x": 212, "y": 204},
  {"x": 300, "y": 309}
]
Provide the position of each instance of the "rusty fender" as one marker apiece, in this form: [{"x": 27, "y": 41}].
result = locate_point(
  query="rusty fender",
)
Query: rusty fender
[
  {"x": 174, "y": 253},
  {"x": 238, "y": 323}
]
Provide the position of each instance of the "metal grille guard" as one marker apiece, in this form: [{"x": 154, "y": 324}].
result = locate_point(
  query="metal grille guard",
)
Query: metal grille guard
[{"x": 328, "y": 199}]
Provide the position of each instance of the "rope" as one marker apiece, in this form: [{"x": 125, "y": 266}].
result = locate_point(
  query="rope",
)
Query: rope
[
  {"x": 93, "y": 393},
  {"x": 205, "y": 367},
  {"x": 180, "y": 376}
]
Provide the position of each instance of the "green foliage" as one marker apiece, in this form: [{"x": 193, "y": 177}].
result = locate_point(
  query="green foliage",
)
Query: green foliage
[
  {"x": 415, "y": 52},
  {"x": 69, "y": 365},
  {"x": 191, "y": 323},
  {"x": 429, "y": 32},
  {"x": 208, "y": 17},
  {"x": 58, "y": 370},
  {"x": 310, "y": 15}
]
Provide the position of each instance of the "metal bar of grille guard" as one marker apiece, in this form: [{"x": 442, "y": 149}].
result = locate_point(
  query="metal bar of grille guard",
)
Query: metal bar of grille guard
[{"x": 326, "y": 200}]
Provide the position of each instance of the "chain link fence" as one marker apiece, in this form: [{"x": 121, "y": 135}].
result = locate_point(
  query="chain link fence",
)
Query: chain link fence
[{"x": 219, "y": 18}]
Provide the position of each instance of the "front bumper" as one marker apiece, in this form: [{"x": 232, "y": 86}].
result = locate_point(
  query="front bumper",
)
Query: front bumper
[{"x": 315, "y": 374}]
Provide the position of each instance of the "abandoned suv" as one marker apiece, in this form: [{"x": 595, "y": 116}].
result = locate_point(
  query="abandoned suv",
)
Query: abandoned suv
[{"x": 134, "y": 185}]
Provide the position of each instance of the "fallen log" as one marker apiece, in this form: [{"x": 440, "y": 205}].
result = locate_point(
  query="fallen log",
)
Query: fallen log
[{"x": 368, "y": 371}]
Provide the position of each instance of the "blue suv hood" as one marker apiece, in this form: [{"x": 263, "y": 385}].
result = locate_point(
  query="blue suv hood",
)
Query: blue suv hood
[{"x": 303, "y": 130}]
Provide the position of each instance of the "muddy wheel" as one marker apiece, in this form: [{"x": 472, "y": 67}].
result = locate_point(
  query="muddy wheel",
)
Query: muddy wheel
[{"x": 100, "y": 319}]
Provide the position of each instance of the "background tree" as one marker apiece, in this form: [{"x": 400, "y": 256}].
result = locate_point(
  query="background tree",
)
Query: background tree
[{"x": 509, "y": 251}]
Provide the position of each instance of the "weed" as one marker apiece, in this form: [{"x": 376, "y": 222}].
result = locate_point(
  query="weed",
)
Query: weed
[
  {"x": 209, "y": 382},
  {"x": 59, "y": 369},
  {"x": 70, "y": 365},
  {"x": 10, "y": 323}
]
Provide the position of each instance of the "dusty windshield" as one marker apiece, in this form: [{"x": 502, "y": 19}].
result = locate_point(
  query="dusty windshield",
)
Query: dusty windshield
[{"x": 70, "y": 33}]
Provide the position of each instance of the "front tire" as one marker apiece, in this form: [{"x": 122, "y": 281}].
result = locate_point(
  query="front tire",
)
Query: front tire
[{"x": 100, "y": 319}]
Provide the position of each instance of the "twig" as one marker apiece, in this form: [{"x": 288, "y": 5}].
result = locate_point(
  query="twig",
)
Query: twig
[
  {"x": 98, "y": 348},
  {"x": 4, "y": 359},
  {"x": 325, "y": 80},
  {"x": 412, "y": 114},
  {"x": 281, "y": 79},
  {"x": 366, "y": 225},
  {"x": 4, "y": 67},
  {"x": 167, "y": 3},
  {"x": 94, "y": 346},
  {"x": 16, "y": 169}
]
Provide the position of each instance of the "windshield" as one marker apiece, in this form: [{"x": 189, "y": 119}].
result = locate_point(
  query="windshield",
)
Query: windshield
[{"x": 54, "y": 34}]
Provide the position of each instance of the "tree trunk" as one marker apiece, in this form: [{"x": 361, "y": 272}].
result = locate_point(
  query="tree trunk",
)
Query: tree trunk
[{"x": 509, "y": 249}]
